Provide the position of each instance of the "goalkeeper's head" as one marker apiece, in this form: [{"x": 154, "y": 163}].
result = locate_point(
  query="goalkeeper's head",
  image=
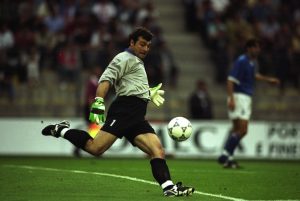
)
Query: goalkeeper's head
[{"x": 140, "y": 41}]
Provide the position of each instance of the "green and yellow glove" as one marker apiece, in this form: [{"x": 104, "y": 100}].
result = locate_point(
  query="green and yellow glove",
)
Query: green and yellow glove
[
  {"x": 156, "y": 95},
  {"x": 97, "y": 111}
]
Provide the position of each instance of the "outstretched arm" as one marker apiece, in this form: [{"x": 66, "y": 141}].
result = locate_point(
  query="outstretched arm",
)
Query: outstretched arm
[{"x": 271, "y": 80}]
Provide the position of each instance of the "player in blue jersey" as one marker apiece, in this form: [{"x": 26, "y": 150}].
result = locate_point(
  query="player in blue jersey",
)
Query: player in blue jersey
[{"x": 240, "y": 87}]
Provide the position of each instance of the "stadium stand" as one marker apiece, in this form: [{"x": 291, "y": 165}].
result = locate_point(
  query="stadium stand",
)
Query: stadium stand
[
  {"x": 223, "y": 27},
  {"x": 48, "y": 48}
]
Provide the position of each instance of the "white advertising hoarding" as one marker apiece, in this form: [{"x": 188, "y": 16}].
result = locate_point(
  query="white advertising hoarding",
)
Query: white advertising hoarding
[{"x": 277, "y": 140}]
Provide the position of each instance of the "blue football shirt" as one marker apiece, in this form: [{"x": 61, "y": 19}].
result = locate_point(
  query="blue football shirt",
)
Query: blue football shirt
[{"x": 243, "y": 75}]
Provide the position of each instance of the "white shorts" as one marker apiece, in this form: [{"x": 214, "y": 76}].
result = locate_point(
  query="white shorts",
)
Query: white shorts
[{"x": 243, "y": 107}]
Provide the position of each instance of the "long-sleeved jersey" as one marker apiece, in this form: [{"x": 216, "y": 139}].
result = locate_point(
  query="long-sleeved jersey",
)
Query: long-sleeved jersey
[{"x": 128, "y": 75}]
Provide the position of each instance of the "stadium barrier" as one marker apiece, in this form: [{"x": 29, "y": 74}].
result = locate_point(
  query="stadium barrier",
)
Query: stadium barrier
[{"x": 265, "y": 140}]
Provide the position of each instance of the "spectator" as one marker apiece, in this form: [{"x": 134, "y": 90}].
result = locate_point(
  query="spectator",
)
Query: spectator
[
  {"x": 69, "y": 63},
  {"x": 104, "y": 10},
  {"x": 190, "y": 15},
  {"x": 153, "y": 65},
  {"x": 6, "y": 37},
  {"x": 95, "y": 32},
  {"x": 169, "y": 67},
  {"x": 54, "y": 22},
  {"x": 24, "y": 38},
  {"x": 45, "y": 42},
  {"x": 6, "y": 42},
  {"x": 32, "y": 65},
  {"x": 200, "y": 104}
]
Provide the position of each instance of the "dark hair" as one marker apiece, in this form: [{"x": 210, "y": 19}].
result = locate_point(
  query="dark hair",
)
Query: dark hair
[
  {"x": 252, "y": 43},
  {"x": 140, "y": 31}
]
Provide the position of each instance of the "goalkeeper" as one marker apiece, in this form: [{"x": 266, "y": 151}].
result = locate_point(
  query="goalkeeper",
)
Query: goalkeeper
[{"x": 126, "y": 115}]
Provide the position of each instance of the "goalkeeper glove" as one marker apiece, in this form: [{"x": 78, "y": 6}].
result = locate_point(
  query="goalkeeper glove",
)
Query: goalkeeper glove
[
  {"x": 156, "y": 95},
  {"x": 97, "y": 111}
]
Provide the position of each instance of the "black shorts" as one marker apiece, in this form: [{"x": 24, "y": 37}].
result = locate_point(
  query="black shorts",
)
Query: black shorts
[{"x": 126, "y": 117}]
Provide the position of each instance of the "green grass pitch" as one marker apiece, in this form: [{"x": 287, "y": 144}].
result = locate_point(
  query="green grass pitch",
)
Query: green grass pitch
[{"x": 89, "y": 179}]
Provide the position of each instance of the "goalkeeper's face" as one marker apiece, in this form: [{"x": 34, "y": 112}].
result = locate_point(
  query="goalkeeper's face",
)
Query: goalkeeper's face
[{"x": 141, "y": 47}]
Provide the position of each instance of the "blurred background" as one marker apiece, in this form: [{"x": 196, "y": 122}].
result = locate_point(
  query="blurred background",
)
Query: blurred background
[{"x": 51, "y": 52}]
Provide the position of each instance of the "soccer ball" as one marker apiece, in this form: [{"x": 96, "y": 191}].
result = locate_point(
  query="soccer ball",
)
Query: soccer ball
[{"x": 180, "y": 129}]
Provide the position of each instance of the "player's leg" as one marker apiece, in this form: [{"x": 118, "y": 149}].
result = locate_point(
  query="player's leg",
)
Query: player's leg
[
  {"x": 81, "y": 138},
  {"x": 102, "y": 141},
  {"x": 233, "y": 142},
  {"x": 150, "y": 144},
  {"x": 240, "y": 130},
  {"x": 242, "y": 127},
  {"x": 240, "y": 117},
  {"x": 237, "y": 133}
]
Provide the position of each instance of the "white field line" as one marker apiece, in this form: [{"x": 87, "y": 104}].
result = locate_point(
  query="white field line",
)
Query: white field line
[{"x": 125, "y": 177}]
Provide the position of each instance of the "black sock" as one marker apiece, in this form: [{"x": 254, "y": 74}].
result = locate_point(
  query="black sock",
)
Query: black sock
[
  {"x": 160, "y": 170},
  {"x": 77, "y": 137}
]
